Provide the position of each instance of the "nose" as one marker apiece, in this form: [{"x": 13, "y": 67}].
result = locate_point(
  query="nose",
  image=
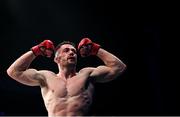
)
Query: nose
[{"x": 71, "y": 53}]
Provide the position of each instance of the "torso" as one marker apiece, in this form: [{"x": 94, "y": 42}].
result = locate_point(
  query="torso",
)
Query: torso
[{"x": 67, "y": 97}]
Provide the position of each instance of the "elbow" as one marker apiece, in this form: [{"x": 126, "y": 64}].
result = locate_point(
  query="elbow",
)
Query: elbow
[
  {"x": 121, "y": 68},
  {"x": 124, "y": 67},
  {"x": 9, "y": 72}
]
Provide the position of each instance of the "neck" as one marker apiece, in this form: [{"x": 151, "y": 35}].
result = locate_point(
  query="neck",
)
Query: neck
[{"x": 66, "y": 72}]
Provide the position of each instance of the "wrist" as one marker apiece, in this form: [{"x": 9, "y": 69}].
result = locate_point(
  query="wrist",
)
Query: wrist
[
  {"x": 95, "y": 48},
  {"x": 36, "y": 50}
]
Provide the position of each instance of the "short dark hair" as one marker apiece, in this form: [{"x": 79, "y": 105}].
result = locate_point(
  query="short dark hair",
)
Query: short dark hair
[{"x": 64, "y": 42}]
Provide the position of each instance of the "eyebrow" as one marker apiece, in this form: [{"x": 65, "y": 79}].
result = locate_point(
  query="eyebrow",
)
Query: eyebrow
[{"x": 70, "y": 48}]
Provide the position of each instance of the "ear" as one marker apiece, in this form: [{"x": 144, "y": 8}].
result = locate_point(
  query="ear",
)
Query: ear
[{"x": 56, "y": 59}]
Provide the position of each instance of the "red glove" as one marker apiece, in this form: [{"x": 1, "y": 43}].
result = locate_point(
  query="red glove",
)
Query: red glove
[
  {"x": 45, "y": 48},
  {"x": 86, "y": 47}
]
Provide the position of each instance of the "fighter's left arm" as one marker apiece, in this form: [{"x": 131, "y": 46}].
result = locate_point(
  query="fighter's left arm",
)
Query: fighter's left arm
[
  {"x": 113, "y": 65},
  {"x": 112, "y": 69}
]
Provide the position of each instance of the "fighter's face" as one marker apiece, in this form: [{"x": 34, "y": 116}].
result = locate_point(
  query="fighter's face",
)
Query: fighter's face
[{"x": 66, "y": 54}]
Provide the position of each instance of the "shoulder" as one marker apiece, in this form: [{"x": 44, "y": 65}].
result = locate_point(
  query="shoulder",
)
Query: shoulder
[
  {"x": 86, "y": 69},
  {"x": 46, "y": 73},
  {"x": 44, "y": 76},
  {"x": 86, "y": 73}
]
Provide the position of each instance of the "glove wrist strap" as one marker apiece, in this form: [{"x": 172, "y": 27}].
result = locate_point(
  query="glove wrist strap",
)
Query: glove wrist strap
[
  {"x": 95, "y": 48},
  {"x": 36, "y": 50}
]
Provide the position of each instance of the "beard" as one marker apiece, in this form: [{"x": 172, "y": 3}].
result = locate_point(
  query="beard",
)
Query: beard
[{"x": 68, "y": 63}]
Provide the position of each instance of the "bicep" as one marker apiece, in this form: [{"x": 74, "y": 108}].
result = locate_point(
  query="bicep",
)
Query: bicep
[
  {"x": 30, "y": 77},
  {"x": 103, "y": 74}
]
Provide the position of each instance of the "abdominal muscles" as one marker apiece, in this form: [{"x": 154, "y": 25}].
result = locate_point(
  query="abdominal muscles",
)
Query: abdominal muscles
[{"x": 70, "y": 104}]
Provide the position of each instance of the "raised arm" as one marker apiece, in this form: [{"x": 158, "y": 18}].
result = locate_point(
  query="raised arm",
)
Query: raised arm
[
  {"x": 113, "y": 66},
  {"x": 20, "y": 71}
]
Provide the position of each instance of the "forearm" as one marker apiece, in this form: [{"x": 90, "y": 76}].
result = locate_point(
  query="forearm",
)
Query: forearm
[
  {"x": 22, "y": 63},
  {"x": 110, "y": 60}
]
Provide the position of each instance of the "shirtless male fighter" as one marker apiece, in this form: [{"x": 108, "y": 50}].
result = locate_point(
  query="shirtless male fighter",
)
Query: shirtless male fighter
[{"x": 67, "y": 93}]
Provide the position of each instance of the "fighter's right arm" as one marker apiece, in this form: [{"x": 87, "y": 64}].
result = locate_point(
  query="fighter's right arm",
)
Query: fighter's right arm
[{"x": 20, "y": 71}]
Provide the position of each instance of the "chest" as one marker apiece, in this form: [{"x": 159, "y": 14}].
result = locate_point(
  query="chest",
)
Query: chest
[{"x": 71, "y": 87}]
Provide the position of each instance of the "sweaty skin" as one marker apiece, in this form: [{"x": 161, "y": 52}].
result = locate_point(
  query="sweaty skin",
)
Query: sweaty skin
[
  {"x": 67, "y": 93},
  {"x": 67, "y": 97}
]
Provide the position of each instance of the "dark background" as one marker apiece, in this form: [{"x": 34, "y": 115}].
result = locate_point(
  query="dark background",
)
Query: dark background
[{"x": 130, "y": 30}]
